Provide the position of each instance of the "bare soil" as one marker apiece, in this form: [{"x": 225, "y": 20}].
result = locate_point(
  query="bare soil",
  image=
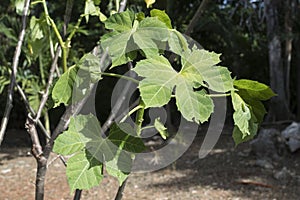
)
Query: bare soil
[{"x": 226, "y": 173}]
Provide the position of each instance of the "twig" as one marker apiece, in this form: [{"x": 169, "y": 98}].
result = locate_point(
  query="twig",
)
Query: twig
[
  {"x": 31, "y": 111},
  {"x": 196, "y": 17},
  {"x": 16, "y": 57},
  {"x": 255, "y": 183},
  {"x": 50, "y": 81}
]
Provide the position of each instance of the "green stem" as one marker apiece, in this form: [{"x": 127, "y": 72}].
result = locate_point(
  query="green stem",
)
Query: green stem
[
  {"x": 147, "y": 127},
  {"x": 75, "y": 29},
  {"x": 131, "y": 112},
  {"x": 58, "y": 35},
  {"x": 218, "y": 95},
  {"x": 120, "y": 76},
  {"x": 140, "y": 118}
]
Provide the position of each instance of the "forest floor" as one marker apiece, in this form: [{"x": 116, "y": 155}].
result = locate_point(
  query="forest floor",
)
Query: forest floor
[{"x": 228, "y": 172}]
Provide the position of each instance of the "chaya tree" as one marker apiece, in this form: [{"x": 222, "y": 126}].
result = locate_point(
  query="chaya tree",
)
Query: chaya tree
[
  {"x": 136, "y": 38},
  {"x": 138, "y": 42}
]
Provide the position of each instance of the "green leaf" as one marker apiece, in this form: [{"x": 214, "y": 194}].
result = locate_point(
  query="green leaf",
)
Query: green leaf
[
  {"x": 242, "y": 114},
  {"x": 150, "y": 30},
  {"x": 120, "y": 21},
  {"x": 132, "y": 35},
  {"x": 162, "y": 16},
  {"x": 194, "y": 106},
  {"x": 35, "y": 28},
  {"x": 112, "y": 169},
  {"x": 201, "y": 63},
  {"x": 258, "y": 109},
  {"x": 157, "y": 88},
  {"x": 161, "y": 128},
  {"x": 116, "y": 44},
  {"x": 83, "y": 171},
  {"x": 254, "y": 89},
  {"x": 159, "y": 83},
  {"x": 19, "y": 4},
  {"x": 90, "y": 9},
  {"x": 72, "y": 140},
  {"x": 62, "y": 91},
  {"x": 177, "y": 42},
  {"x": 122, "y": 136},
  {"x": 240, "y": 137},
  {"x": 75, "y": 82}
]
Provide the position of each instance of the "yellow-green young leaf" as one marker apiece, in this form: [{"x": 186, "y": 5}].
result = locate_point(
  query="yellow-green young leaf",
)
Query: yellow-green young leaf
[
  {"x": 89, "y": 9},
  {"x": 149, "y": 3},
  {"x": 161, "y": 128},
  {"x": 83, "y": 171},
  {"x": 162, "y": 16},
  {"x": 253, "y": 89}
]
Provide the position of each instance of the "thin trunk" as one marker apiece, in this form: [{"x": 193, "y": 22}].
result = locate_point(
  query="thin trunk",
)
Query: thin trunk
[
  {"x": 279, "y": 109},
  {"x": 297, "y": 63},
  {"x": 288, "y": 46}
]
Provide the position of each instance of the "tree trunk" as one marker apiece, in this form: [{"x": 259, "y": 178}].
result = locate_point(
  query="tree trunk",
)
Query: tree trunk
[
  {"x": 297, "y": 63},
  {"x": 279, "y": 109}
]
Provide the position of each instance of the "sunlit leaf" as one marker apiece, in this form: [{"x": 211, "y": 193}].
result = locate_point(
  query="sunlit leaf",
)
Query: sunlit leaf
[
  {"x": 161, "y": 128},
  {"x": 83, "y": 171},
  {"x": 149, "y": 3},
  {"x": 162, "y": 16}
]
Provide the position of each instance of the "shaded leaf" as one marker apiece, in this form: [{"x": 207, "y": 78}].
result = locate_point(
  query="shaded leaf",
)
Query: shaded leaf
[
  {"x": 62, "y": 91},
  {"x": 254, "y": 89},
  {"x": 72, "y": 140}
]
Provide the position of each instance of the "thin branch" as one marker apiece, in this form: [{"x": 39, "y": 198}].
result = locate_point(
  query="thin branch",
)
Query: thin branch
[
  {"x": 16, "y": 57},
  {"x": 196, "y": 17},
  {"x": 49, "y": 84},
  {"x": 31, "y": 111}
]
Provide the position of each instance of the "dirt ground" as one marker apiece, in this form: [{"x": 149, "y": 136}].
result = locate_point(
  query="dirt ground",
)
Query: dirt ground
[{"x": 226, "y": 173}]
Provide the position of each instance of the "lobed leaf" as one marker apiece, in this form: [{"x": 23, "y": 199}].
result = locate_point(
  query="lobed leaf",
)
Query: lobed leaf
[{"x": 83, "y": 171}]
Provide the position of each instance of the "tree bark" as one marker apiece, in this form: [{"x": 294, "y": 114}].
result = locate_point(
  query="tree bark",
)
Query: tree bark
[{"x": 279, "y": 109}]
